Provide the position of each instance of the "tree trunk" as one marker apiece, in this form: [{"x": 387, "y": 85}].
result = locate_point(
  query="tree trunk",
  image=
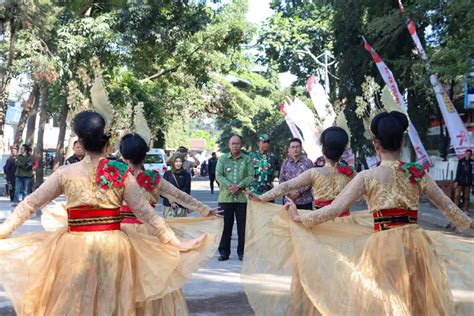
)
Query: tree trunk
[
  {"x": 28, "y": 106},
  {"x": 31, "y": 124},
  {"x": 59, "y": 159},
  {"x": 10, "y": 37},
  {"x": 41, "y": 127}
]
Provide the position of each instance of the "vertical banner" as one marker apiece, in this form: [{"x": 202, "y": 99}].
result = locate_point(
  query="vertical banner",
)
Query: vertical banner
[
  {"x": 388, "y": 78},
  {"x": 460, "y": 137},
  {"x": 291, "y": 125},
  {"x": 320, "y": 102}
]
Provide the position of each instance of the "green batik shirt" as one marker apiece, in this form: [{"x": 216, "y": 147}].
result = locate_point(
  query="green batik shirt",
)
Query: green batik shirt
[
  {"x": 233, "y": 171},
  {"x": 264, "y": 172}
]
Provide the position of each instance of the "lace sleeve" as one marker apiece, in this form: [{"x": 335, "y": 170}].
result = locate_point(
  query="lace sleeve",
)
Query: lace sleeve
[
  {"x": 353, "y": 191},
  {"x": 170, "y": 192},
  {"x": 444, "y": 204},
  {"x": 142, "y": 208},
  {"x": 303, "y": 180},
  {"x": 47, "y": 192}
]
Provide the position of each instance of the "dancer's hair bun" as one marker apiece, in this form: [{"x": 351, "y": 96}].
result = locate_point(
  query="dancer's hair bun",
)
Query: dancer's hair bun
[
  {"x": 388, "y": 128},
  {"x": 89, "y": 127},
  {"x": 334, "y": 140}
]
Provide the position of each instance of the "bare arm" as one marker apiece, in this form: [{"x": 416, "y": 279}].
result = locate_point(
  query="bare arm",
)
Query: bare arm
[
  {"x": 445, "y": 205},
  {"x": 348, "y": 196},
  {"x": 47, "y": 192},
  {"x": 302, "y": 181}
]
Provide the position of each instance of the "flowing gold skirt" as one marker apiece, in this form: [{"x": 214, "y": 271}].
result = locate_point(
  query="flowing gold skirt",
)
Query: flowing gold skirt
[
  {"x": 102, "y": 273},
  {"x": 346, "y": 269}
]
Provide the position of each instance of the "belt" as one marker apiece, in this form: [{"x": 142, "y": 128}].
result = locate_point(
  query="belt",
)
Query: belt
[
  {"x": 88, "y": 219},
  {"x": 319, "y": 204},
  {"x": 129, "y": 217},
  {"x": 394, "y": 217}
]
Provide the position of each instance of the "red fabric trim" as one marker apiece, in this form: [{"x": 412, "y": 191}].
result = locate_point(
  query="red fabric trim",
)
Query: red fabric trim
[
  {"x": 328, "y": 202},
  {"x": 129, "y": 220},
  {"x": 95, "y": 228},
  {"x": 88, "y": 211}
]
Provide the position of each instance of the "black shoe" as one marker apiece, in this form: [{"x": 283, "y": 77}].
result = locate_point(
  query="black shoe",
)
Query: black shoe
[
  {"x": 241, "y": 257},
  {"x": 223, "y": 258}
]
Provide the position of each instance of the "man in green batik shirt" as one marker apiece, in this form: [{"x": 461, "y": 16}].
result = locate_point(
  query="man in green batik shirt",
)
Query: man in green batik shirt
[
  {"x": 234, "y": 172},
  {"x": 265, "y": 165}
]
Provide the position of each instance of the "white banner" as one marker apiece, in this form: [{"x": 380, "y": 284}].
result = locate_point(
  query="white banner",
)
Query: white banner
[
  {"x": 320, "y": 102},
  {"x": 387, "y": 75},
  {"x": 460, "y": 137},
  {"x": 291, "y": 125}
]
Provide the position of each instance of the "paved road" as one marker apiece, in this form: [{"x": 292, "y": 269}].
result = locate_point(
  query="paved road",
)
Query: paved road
[{"x": 216, "y": 288}]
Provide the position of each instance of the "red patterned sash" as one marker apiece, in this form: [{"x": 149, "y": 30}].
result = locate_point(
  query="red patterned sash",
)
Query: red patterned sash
[
  {"x": 88, "y": 219},
  {"x": 128, "y": 216},
  {"x": 394, "y": 217},
  {"x": 320, "y": 204}
]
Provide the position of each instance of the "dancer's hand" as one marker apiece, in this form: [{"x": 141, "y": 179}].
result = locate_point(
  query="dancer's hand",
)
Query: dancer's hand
[
  {"x": 254, "y": 197},
  {"x": 217, "y": 212},
  {"x": 189, "y": 244},
  {"x": 290, "y": 207}
]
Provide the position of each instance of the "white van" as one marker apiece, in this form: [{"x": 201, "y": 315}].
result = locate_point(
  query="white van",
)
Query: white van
[{"x": 156, "y": 160}]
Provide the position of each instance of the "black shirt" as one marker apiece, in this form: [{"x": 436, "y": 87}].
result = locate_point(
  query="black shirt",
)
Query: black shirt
[
  {"x": 211, "y": 165},
  {"x": 464, "y": 172},
  {"x": 181, "y": 180},
  {"x": 73, "y": 159}
]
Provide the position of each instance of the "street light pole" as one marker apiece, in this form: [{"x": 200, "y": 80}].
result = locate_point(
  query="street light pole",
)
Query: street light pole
[{"x": 327, "y": 57}]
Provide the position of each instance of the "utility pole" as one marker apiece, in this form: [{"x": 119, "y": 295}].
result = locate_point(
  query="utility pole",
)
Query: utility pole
[{"x": 328, "y": 60}]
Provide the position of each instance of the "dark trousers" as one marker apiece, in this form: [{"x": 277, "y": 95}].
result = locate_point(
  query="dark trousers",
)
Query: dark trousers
[
  {"x": 11, "y": 189},
  {"x": 307, "y": 206},
  {"x": 212, "y": 178},
  {"x": 231, "y": 210}
]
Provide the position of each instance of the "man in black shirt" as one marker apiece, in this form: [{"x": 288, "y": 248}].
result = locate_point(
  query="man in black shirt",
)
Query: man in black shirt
[
  {"x": 78, "y": 154},
  {"x": 211, "y": 168},
  {"x": 463, "y": 181},
  {"x": 9, "y": 170}
]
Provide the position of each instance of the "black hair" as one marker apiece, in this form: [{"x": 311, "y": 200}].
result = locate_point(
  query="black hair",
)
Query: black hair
[
  {"x": 295, "y": 140},
  {"x": 388, "y": 128},
  {"x": 27, "y": 148},
  {"x": 469, "y": 151},
  {"x": 237, "y": 135},
  {"x": 89, "y": 127},
  {"x": 75, "y": 143},
  {"x": 134, "y": 148},
  {"x": 334, "y": 140}
]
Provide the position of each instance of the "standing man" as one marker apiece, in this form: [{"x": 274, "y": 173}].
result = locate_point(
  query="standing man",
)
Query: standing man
[
  {"x": 291, "y": 168},
  {"x": 211, "y": 167},
  {"x": 463, "y": 180},
  {"x": 23, "y": 173},
  {"x": 265, "y": 165},
  {"x": 78, "y": 153},
  {"x": 9, "y": 170},
  {"x": 234, "y": 172}
]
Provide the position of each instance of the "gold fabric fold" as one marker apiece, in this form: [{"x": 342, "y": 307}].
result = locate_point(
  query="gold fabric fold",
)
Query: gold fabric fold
[{"x": 347, "y": 269}]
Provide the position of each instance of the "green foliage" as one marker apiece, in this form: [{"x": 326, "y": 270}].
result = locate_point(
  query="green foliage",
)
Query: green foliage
[{"x": 210, "y": 141}]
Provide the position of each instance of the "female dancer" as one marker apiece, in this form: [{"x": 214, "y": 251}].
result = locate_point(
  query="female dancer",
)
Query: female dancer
[
  {"x": 106, "y": 271},
  {"x": 398, "y": 271},
  {"x": 328, "y": 181},
  {"x": 133, "y": 149}
]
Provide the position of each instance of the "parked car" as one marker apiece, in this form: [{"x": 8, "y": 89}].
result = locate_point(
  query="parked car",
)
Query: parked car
[{"x": 156, "y": 160}]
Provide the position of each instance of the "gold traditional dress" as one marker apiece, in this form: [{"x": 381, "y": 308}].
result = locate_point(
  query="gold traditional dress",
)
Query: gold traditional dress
[
  {"x": 347, "y": 269},
  {"x": 91, "y": 267},
  {"x": 152, "y": 186},
  {"x": 326, "y": 182}
]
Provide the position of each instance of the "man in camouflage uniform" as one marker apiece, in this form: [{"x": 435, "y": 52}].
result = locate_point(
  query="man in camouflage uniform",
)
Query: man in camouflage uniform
[{"x": 265, "y": 165}]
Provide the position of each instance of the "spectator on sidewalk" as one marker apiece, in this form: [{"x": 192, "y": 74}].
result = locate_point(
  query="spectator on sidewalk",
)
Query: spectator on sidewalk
[
  {"x": 463, "y": 180},
  {"x": 211, "y": 166},
  {"x": 180, "y": 178},
  {"x": 78, "y": 153},
  {"x": 291, "y": 167},
  {"x": 9, "y": 170},
  {"x": 204, "y": 168},
  {"x": 184, "y": 153},
  {"x": 265, "y": 165},
  {"x": 24, "y": 172},
  {"x": 234, "y": 172}
]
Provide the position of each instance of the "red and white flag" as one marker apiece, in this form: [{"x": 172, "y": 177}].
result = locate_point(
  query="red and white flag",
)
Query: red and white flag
[
  {"x": 387, "y": 75},
  {"x": 460, "y": 137}
]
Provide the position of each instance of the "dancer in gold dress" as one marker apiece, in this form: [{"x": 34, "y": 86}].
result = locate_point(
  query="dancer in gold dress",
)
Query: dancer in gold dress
[
  {"x": 133, "y": 148},
  {"x": 347, "y": 269},
  {"x": 328, "y": 181},
  {"x": 92, "y": 267}
]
